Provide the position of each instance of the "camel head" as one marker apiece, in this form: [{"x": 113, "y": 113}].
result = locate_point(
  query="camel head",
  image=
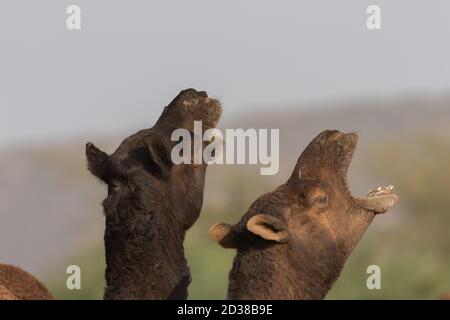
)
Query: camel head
[
  {"x": 140, "y": 174},
  {"x": 150, "y": 199},
  {"x": 312, "y": 220}
]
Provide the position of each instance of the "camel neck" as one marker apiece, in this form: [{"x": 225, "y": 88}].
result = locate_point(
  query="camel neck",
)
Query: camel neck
[
  {"x": 136, "y": 265},
  {"x": 270, "y": 273}
]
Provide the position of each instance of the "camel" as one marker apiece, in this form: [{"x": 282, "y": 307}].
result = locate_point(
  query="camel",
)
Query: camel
[
  {"x": 292, "y": 243},
  {"x": 17, "y": 284},
  {"x": 151, "y": 203}
]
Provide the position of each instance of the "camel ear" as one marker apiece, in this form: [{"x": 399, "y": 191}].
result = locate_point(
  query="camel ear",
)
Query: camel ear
[
  {"x": 96, "y": 160},
  {"x": 159, "y": 154},
  {"x": 221, "y": 233},
  {"x": 268, "y": 227}
]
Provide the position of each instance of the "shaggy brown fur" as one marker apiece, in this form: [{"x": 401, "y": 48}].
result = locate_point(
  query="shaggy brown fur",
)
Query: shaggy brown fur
[
  {"x": 445, "y": 296},
  {"x": 293, "y": 242},
  {"x": 17, "y": 284},
  {"x": 151, "y": 203}
]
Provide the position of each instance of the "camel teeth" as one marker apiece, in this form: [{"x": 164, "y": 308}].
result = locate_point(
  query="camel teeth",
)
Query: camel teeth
[{"x": 380, "y": 191}]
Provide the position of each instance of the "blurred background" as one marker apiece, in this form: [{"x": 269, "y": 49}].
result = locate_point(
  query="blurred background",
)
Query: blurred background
[{"x": 299, "y": 66}]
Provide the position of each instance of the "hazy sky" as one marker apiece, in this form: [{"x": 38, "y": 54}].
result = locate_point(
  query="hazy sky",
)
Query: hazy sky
[{"x": 132, "y": 57}]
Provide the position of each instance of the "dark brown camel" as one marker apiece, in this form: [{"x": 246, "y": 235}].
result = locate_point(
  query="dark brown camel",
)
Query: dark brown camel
[
  {"x": 293, "y": 242},
  {"x": 151, "y": 203},
  {"x": 17, "y": 284}
]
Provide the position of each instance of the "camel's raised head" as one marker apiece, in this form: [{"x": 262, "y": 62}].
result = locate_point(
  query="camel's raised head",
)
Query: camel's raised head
[
  {"x": 151, "y": 202},
  {"x": 140, "y": 174},
  {"x": 314, "y": 210},
  {"x": 292, "y": 243}
]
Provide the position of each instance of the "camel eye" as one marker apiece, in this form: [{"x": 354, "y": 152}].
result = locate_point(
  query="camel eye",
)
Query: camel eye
[
  {"x": 303, "y": 198},
  {"x": 115, "y": 186},
  {"x": 312, "y": 196},
  {"x": 324, "y": 199}
]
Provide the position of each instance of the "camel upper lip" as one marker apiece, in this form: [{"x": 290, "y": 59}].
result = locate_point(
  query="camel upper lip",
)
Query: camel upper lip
[
  {"x": 330, "y": 150},
  {"x": 344, "y": 148}
]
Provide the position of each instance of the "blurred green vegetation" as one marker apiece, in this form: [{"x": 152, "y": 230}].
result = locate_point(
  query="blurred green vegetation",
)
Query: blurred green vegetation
[
  {"x": 411, "y": 243},
  {"x": 92, "y": 265}
]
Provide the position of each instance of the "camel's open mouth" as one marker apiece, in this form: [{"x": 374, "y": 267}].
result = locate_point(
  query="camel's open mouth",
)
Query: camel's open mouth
[
  {"x": 378, "y": 200},
  {"x": 328, "y": 157}
]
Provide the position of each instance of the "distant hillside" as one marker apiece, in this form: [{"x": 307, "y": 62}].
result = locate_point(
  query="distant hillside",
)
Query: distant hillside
[{"x": 369, "y": 119}]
